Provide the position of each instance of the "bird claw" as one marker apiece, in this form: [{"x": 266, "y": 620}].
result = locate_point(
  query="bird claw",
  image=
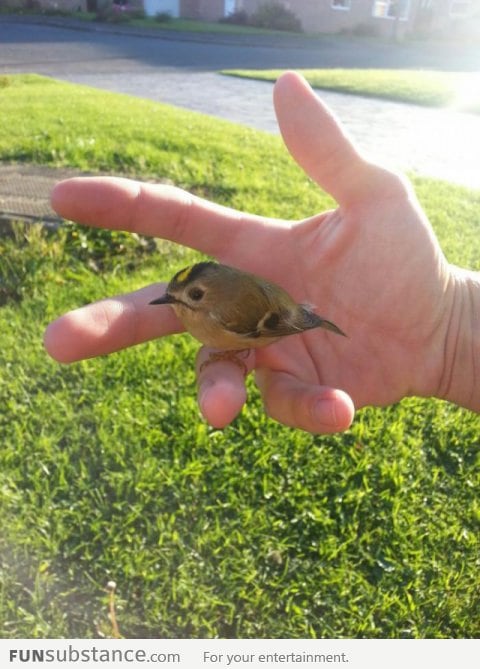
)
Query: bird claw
[{"x": 228, "y": 356}]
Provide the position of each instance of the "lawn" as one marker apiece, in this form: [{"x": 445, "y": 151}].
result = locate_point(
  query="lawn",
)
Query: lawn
[
  {"x": 459, "y": 90},
  {"x": 107, "y": 472},
  {"x": 192, "y": 25}
]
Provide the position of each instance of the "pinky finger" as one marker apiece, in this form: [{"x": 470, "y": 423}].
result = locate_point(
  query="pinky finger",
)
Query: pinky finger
[{"x": 313, "y": 408}]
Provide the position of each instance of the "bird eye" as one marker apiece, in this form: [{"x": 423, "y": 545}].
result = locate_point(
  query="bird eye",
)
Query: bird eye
[{"x": 196, "y": 294}]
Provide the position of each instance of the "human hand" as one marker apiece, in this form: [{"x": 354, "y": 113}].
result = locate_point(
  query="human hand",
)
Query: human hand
[{"x": 373, "y": 266}]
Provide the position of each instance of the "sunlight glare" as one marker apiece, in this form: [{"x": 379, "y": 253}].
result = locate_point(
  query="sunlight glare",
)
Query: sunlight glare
[{"x": 466, "y": 91}]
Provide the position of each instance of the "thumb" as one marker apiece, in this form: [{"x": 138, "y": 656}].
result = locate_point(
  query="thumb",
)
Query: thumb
[
  {"x": 317, "y": 141},
  {"x": 313, "y": 408}
]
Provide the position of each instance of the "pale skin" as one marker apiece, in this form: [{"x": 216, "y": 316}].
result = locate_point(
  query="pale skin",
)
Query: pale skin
[{"x": 372, "y": 265}]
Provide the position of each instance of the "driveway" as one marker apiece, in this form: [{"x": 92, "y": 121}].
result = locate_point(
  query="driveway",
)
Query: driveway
[{"x": 181, "y": 69}]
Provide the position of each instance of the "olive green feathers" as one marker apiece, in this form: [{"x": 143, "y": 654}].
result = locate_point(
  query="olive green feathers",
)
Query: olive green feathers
[{"x": 226, "y": 308}]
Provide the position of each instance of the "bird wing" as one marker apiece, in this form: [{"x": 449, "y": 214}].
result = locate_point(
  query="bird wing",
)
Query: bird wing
[{"x": 258, "y": 314}]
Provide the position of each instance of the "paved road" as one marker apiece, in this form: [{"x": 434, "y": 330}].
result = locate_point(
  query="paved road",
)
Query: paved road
[
  {"x": 106, "y": 48},
  {"x": 177, "y": 70}
]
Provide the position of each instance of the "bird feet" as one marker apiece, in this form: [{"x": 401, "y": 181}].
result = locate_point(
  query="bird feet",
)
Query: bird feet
[{"x": 228, "y": 356}]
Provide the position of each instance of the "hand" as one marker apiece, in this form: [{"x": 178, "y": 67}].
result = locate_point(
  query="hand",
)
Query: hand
[{"x": 373, "y": 266}]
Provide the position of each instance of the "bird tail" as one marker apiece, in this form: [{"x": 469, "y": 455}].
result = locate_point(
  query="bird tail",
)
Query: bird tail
[{"x": 313, "y": 320}]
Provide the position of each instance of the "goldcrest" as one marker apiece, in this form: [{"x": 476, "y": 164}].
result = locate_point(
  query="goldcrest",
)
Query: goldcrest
[{"x": 225, "y": 308}]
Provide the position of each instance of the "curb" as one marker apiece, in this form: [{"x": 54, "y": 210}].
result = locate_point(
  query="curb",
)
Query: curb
[{"x": 288, "y": 41}]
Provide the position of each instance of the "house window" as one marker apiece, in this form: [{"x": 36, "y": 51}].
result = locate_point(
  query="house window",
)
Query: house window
[
  {"x": 460, "y": 8},
  {"x": 391, "y": 9},
  {"x": 341, "y": 4},
  {"x": 229, "y": 7}
]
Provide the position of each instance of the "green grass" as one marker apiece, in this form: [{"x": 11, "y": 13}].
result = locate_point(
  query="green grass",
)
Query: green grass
[
  {"x": 174, "y": 24},
  {"x": 232, "y": 164},
  {"x": 191, "y": 25},
  {"x": 107, "y": 471},
  {"x": 429, "y": 88}
]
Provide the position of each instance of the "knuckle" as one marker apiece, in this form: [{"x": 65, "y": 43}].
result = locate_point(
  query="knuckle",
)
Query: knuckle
[{"x": 180, "y": 220}]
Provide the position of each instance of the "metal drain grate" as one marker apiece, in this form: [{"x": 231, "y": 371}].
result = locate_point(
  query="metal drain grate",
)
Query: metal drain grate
[{"x": 25, "y": 191}]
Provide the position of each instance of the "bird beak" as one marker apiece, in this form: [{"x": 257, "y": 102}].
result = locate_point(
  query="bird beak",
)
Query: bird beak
[{"x": 164, "y": 299}]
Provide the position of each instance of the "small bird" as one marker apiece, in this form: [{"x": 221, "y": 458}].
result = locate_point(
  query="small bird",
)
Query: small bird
[{"x": 228, "y": 309}]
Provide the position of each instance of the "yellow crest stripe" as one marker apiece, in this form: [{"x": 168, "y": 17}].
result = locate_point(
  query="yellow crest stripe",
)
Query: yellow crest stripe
[{"x": 183, "y": 275}]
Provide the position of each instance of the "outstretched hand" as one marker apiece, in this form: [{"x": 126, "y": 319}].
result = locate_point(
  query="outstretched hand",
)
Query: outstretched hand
[{"x": 373, "y": 266}]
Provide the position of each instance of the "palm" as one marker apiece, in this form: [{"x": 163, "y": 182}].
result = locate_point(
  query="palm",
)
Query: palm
[{"x": 373, "y": 276}]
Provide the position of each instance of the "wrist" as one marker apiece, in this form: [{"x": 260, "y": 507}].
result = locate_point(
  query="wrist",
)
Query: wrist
[{"x": 460, "y": 380}]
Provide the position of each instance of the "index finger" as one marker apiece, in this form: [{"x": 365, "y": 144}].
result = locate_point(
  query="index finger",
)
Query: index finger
[{"x": 156, "y": 210}]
